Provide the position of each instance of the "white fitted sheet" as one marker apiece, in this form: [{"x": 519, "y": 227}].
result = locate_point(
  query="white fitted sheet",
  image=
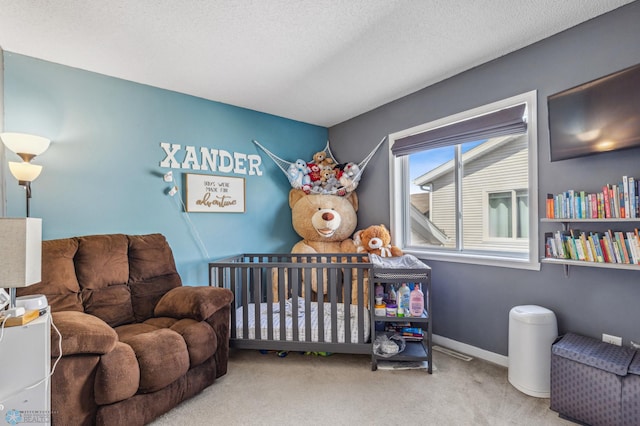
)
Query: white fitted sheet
[{"x": 327, "y": 311}]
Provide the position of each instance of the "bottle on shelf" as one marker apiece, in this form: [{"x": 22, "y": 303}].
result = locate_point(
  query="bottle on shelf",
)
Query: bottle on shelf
[
  {"x": 379, "y": 290},
  {"x": 391, "y": 292},
  {"x": 403, "y": 296},
  {"x": 416, "y": 301},
  {"x": 380, "y": 311}
]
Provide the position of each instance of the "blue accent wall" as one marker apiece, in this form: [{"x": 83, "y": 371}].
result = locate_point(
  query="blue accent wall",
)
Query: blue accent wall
[{"x": 102, "y": 171}]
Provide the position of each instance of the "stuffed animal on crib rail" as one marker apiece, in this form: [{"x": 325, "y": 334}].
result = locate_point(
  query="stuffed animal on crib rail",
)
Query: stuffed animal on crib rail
[
  {"x": 376, "y": 239},
  {"x": 325, "y": 222}
]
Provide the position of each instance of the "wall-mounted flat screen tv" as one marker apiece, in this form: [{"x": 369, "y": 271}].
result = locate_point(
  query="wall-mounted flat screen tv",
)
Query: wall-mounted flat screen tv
[{"x": 598, "y": 116}]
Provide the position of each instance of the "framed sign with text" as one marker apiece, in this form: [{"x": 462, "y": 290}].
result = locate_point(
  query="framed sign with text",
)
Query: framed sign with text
[{"x": 214, "y": 194}]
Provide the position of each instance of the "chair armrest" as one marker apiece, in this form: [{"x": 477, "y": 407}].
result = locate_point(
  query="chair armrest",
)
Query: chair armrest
[
  {"x": 197, "y": 303},
  {"x": 81, "y": 334}
]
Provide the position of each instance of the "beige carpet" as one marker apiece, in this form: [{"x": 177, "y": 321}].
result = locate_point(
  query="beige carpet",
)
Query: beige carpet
[{"x": 342, "y": 390}]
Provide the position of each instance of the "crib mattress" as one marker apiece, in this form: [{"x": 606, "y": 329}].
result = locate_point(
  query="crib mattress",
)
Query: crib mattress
[{"x": 301, "y": 318}]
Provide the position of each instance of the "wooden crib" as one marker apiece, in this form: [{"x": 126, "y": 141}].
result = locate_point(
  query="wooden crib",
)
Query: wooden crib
[{"x": 297, "y": 302}]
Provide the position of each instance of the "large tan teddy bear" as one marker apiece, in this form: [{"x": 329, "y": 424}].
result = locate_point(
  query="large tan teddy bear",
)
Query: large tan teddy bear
[{"x": 325, "y": 223}]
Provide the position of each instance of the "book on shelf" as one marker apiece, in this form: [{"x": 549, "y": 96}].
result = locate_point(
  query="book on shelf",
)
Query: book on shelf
[
  {"x": 594, "y": 239},
  {"x": 620, "y": 200},
  {"x": 593, "y": 204},
  {"x": 586, "y": 248},
  {"x": 636, "y": 189},
  {"x": 549, "y": 206},
  {"x": 625, "y": 192},
  {"x": 575, "y": 238},
  {"x": 550, "y": 249},
  {"x": 555, "y": 246},
  {"x": 632, "y": 198},
  {"x": 606, "y": 200},
  {"x": 613, "y": 247},
  {"x": 624, "y": 254},
  {"x": 608, "y": 250}
]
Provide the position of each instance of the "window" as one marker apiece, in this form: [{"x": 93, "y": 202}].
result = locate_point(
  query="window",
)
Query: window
[
  {"x": 508, "y": 214},
  {"x": 464, "y": 187}
]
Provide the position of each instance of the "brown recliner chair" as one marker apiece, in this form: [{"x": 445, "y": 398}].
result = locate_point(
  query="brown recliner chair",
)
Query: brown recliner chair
[{"x": 135, "y": 342}]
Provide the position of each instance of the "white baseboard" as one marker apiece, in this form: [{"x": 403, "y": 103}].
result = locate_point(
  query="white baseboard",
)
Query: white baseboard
[{"x": 471, "y": 350}]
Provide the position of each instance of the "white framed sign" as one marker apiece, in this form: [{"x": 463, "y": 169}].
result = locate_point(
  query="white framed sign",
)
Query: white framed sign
[{"x": 214, "y": 194}]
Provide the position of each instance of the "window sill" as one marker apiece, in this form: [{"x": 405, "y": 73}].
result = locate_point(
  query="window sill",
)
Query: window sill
[{"x": 476, "y": 259}]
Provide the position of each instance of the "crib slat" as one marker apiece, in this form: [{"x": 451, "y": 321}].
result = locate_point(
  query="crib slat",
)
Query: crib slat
[
  {"x": 333, "y": 295},
  {"x": 244, "y": 289},
  {"x": 294, "y": 288},
  {"x": 232, "y": 287},
  {"x": 346, "y": 303},
  {"x": 321, "y": 289},
  {"x": 283, "y": 274},
  {"x": 256, "y": 279},
  {"x": 362, "y": 302},
  {"x": 269, "y": 275},
  {"x": 306, "y": 282}
]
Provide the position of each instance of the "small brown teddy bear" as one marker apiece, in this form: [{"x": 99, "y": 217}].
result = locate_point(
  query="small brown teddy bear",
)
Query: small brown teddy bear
[
  {"x": 376, "y": 239},
  {"x": 326, "y": 174},
  {"x": 322, "y": 160}
]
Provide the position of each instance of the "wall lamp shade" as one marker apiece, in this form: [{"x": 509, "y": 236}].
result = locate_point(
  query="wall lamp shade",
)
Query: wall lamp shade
[
  {"x": 20, "y": 252},
  {"x": 24, "y": 172},
  {"x": 25, "y": 145}
]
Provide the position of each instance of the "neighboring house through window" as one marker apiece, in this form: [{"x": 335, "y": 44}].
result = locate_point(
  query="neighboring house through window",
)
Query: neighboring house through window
[{"x": 464, "y": 187}]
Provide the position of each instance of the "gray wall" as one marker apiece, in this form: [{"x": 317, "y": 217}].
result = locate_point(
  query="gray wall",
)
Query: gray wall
[{"x": 471, "y": 304}]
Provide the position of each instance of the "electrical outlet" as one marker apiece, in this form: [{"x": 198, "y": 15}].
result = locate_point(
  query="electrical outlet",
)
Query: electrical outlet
[{"x": 614, "y": 340}]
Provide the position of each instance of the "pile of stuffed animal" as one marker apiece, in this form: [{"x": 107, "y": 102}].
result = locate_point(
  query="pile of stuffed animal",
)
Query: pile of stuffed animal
[{"x": 323, "y": 175}]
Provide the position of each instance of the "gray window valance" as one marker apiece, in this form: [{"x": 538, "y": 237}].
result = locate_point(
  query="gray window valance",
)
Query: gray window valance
[{"x": 507, "y": 121}]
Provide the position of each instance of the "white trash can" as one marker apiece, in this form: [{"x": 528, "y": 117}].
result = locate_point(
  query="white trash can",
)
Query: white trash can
[{"x": 532, "y": 331}]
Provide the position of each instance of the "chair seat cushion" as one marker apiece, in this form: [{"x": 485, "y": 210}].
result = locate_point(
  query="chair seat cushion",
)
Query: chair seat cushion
[
  {"x": 200, "y": 338},
  {"x": 117, "y": 375},
  {"x": 162, "y": 358}
]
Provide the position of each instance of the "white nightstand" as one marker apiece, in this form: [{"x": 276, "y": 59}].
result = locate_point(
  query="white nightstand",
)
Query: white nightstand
[{"x": 25, "y": 360}]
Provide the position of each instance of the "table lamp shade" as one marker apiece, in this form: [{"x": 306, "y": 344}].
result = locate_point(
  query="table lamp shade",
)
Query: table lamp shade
[{"x": 20, "y": 252}]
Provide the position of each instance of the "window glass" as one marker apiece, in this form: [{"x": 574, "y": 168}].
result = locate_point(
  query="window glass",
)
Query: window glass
[{"x": 500, "y": 214}]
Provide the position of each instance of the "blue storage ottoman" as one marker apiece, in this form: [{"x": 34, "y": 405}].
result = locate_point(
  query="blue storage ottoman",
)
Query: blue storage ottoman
[
  {"x": 595, "y": 382},
  {"x": 631, "y": 393}
]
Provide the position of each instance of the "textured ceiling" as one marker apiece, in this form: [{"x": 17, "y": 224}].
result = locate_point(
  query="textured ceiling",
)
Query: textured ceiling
[{"x": 316, "y": 61}]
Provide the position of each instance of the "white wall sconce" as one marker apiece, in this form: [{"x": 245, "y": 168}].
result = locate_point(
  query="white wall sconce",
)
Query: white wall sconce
[{"x": 27, "y": 147}]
